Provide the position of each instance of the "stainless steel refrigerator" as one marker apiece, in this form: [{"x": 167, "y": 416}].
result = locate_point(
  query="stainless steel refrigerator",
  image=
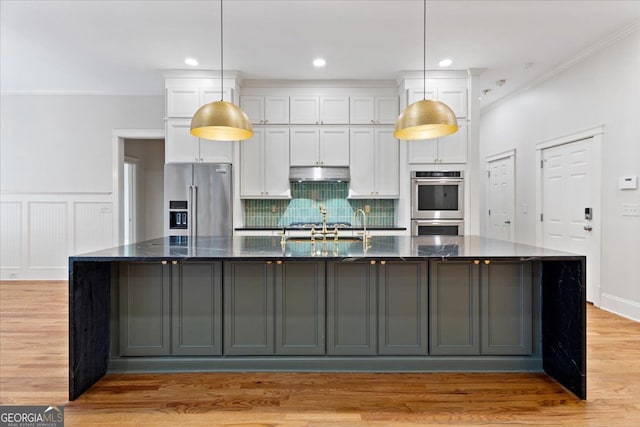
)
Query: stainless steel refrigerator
[{"x": 198, "y": 199}]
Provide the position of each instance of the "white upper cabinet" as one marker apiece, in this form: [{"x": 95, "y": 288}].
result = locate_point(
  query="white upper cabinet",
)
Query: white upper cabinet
[
  {"x": 314, "y": 146},
  {"x": 264, "y": 164},
  {"x": 182, "y": 147},
  {"x": 266, "y": 109},
  {"x": 321, "y": 110},
  {"x": 184, "y": 102},
  {"x": 375, "y": 163},
  {"x": 455, "y": 98},
  {"x": 369, "y": 110},
  {"x": 449, "y": 149}
]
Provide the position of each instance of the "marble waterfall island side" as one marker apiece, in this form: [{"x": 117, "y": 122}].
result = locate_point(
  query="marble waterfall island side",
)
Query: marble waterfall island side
[{"x": 410, "y": 304}]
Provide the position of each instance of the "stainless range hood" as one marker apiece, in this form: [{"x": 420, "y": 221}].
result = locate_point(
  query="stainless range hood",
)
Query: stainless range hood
[{"x": 318, "y": 173}]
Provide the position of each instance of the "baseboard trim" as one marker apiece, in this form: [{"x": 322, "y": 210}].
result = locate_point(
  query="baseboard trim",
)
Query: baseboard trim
[{"x": 620, "y": 306}]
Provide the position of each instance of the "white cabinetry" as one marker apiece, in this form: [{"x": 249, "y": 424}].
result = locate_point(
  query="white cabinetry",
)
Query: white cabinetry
[
  {"x": 319, "y": 110},
  {"x": 272, "y": 110},
  {"x": 449, "y": 149},
  {"x": 320, "y": 146},
  {"x": 455, "y": 98},
  {"x": 374, "y": 165},
  {"x": 185, "y": 101},
  {"x": 373, "y": 110},
  {"x": 182, "y": 147},
  {"x": 264, "y": 164}
]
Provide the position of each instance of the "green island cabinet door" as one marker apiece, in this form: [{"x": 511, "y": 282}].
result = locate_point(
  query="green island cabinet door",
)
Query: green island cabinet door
[
  {"x": 402, "y": 307},
  {"x": 248, "y": 288},
  {"x": 196, "y": 314},
  {"x": 481, "y": 307},
  {"x": 300, "y": 308},
  {"x": 454, "y": 307},
  {"x": 351, "y": 308},
  {"x": 144, "y": 293},
  {"x": 506, "y": 325}
]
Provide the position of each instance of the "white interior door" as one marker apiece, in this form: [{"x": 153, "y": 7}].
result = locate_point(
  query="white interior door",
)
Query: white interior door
[
  {"x": 502, "y": 199},
  {"x": 568, "y": 191},
  {"x": 130, "y": 182}
]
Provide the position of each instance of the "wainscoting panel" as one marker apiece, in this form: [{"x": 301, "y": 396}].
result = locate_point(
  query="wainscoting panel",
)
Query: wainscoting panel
[
  {"x": 48, "y": 239},
  {"x": 11, "y": 230},
  {"x": 40, "y": 231}
]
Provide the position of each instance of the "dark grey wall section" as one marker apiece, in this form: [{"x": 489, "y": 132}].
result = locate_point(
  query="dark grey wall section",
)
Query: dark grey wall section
[
  {"x": 402, "y": 308},
  {"x": 506, "y": 308},
  {"x": 145, "y": 309},
  {"x": 454, "y": 302},
  {"x": 351, "y": 308},
  {"x": 300, "y": 308},
  {"x": 196, "y": 313},
  {"x": 248, "y": 307}
]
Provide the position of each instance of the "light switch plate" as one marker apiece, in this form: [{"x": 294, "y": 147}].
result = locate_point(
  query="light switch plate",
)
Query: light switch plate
[{"x": 631, "y": 209}]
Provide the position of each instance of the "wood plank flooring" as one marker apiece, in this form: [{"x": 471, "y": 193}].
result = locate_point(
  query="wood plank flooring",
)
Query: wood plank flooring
[{"x": 34, "y": 364}]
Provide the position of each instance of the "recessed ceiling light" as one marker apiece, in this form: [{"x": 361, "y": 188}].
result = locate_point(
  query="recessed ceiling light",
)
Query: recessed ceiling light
[
  {"x": 319, "y": 62},
  {"x": 191, "y": 62},
  {"x": 445, "y": 62}
]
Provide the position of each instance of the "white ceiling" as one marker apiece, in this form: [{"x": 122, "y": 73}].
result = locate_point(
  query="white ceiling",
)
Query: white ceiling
[{"x": 92, "y": 45}]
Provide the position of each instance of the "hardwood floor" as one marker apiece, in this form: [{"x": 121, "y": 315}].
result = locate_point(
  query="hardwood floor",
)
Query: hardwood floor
[{"x": 34, "y": 363}]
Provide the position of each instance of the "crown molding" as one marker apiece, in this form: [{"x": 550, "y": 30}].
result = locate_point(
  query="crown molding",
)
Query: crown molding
[
  {"x": 83, "y": 92},
  {"x": 292, "y": 83}
]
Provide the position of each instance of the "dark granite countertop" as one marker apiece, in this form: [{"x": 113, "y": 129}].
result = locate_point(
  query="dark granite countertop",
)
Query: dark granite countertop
[
  {"x": 211, "y": 248},
  {"x": 261, "y": 228}
]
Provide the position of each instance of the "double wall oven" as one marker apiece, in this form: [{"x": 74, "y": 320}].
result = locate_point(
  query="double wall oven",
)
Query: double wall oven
[{"x": 437, "y": 203}]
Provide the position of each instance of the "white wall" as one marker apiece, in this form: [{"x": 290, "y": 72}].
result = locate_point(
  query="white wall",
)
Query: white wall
[
  {"x": 56, "y": 176},
  {"x": 602, "y": 89}
]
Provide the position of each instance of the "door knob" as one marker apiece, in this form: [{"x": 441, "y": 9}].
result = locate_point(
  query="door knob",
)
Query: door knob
[
  {"x": 507, "y": 221},
  {"x": 588, "y": 227}
]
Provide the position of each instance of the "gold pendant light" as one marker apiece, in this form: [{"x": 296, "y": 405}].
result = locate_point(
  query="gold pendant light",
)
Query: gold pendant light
[
  {"x": 425, "y": 119},
  {"x": 220, "y": 120}
]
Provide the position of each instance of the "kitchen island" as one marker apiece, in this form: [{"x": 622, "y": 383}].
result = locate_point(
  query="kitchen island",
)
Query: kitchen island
[{"x": 392, "y": 303}]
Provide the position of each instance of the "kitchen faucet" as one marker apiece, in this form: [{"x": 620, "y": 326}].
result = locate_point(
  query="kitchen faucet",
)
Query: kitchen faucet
[{"x": 364, "y": 222}]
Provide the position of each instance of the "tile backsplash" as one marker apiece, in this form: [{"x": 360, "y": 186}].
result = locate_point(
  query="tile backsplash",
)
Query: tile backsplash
[{"x": 304, "y": 206}]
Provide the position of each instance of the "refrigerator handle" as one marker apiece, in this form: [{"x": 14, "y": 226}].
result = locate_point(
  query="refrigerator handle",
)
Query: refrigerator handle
[
  {"x": 190, "y": 210},
  {"x": 194, "y": 211}
]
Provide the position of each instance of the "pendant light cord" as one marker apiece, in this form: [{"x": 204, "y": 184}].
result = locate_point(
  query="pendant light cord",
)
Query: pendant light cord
[
  {"x": 424, "y": 51},
  {"x": 221, "y": 57}
]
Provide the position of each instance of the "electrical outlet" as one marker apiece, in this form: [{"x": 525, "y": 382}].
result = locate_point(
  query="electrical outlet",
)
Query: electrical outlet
[
  {"x": 631, "y": 209},
  {"x": 274, "y": 209},
  {"x": 367, "y": 208}
]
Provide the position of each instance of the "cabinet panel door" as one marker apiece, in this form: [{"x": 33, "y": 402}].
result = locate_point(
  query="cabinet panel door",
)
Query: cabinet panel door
[
  {"x": 506, "y": 308},
  {"x": 210, "y": 94},
  {"x": 305, "y": 110},
  {"x": 453, "y": 148},
  {"x": 254, "y": 107},
  {"x": 361, "y": 160},
  {"x": 182, "y": 102},
  {"x": 402, "y": 296},
  {"x": 299, "y": 308},
  {"x": 251, "y": 165},
  {"x": 387, "y": 164},
  {"x": 248, "y": 308},
  {"x": 351, "y": 308},
  {"x": 334, "y": 110},
  {"x": 386, "y": 111},
  {"x": 361, "y": 110},
  {"x": 197, "y": 308},
  {"x": 276, "y": 162},
  {"x": 454, "y": 307},
  {"x": 334, "y": 146},
  {"x": 305, "y": 144},
  {"x": 180, "y": 145},
  {"x": 216, "y": 151},
  {"x": 415, "y": 95},
  {"x": 276, "y": 110},
  {"x": 456, "y": 99},
  {"x": 423, "y": 151},
  {"x": 144, "y": 309}
]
